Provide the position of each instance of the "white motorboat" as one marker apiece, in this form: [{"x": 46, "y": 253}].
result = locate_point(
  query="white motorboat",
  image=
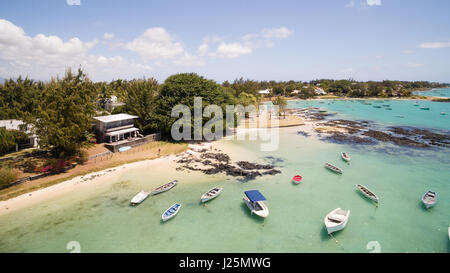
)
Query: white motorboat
[
  {"x": 336, "y": 220},
  {"x": 139, "y": 198},
  {"x": 254, "y": 201}
]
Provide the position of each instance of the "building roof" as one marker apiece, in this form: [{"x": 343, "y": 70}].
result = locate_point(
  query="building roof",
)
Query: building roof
[
  {"x": 266, "y": 91},
  {"x": 117, "y": 117},
  {"x": 255, "y": 196}
]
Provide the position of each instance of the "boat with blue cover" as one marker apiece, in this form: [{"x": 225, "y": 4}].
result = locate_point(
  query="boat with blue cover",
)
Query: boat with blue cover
[
  {"x": 171, "y": 212},
  {"x": 254, "y": 200}
]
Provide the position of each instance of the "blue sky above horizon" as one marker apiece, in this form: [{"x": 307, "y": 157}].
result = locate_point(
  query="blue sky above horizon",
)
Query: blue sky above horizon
[{"x": 224, "y": 40}]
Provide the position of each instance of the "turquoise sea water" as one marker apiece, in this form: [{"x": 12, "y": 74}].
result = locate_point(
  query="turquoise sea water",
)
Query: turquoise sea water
[
  {"x": 438, "y": 92},
  {"x": 101, "y": 220}
]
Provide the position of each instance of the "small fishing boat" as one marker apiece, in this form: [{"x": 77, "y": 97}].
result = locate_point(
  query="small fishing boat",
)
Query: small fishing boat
[
  {"x": 388, "y": 108},
  {"x": 376, "y": 106},
  {"x": 386, "y": 105},
  {"x": 345, "y": 156},
  {"x": 336, "y": 220},
  {"x": 297, "y": 179},
  {"x": 425, "y": 108},
  {"x": 171, "y": 212},
  {"x": 322, "y": 110},
  {"x": 124, "y": 149},
  {"x": 333, "y": 168},
  {"x": 368, "y": 193},
  {"x": 399, "y": 116},
  {"x": 254, "y": 201},
  {"x": 165, "y": 187},
  {"x": 211, "y": 194},
  {"x": 429, "y": 199},
  {"x": 139, "y": 198},
  {"x": 416, "y": 104},
  {"x": 443, "y": 113}
]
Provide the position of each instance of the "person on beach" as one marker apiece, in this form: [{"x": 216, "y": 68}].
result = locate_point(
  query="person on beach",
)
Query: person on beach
[{"x": 159, "y": 151}]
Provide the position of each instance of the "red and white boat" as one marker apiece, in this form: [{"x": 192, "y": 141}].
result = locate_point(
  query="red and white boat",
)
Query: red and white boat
[
  {"x": 297, "y": 179},
  {"x": 345, "y": 156}
]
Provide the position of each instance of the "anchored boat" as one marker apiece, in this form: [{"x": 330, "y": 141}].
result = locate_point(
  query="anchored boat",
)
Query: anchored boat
[
  {"x": 171, "y": 212},
  {"x": 336, "y": 220},
  {"x": 345, "y": 156},
  {"x": 425, "y": 108},
  {"x": 297, "y": 179},
  {"x": 139, "y": 198},
  {"x": 254, "y": 201},
  {"x": 165, "y": 187},
  {"x": 429, "y": 199},
  {"x": 124, "y": 149},
  {"x": 211, "y": 194},
  {"x": 367, "y": 193},
  {"x": 333, "y": 168}
]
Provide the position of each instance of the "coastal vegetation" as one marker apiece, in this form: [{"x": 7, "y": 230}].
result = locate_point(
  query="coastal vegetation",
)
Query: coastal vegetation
[{"x": 61, "y": 111}]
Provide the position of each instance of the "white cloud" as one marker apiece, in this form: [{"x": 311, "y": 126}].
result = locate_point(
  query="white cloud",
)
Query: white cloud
[
  {"x": 108, "y": 36},
  {"x": 277, "y": 33},
  {"x": 415, "y": 65},
  {"x": 42, "y": 56},
  {"x": 189, "y": 60},
  {"x": 435, "y": 45},
  {"x": 231, "y": 50},
  {"x": 156, "y": 43},
  {"x": 73, "y": 2},
  {"x": 374, "y": 2},
  {"x": 248, "y": 43}
]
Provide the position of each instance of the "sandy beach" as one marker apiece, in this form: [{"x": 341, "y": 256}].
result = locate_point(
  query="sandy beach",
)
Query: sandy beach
[{"x": 110, "y": 175}]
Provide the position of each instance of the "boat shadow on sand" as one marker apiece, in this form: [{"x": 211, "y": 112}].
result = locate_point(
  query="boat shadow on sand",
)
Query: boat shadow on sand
[{"x": 255, "y": 218}]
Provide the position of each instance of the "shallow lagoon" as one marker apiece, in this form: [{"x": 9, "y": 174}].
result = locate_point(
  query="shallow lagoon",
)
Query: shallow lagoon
[{"x": 101, "y": 220}]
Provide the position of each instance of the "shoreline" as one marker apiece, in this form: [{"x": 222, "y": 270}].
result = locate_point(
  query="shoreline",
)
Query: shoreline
[{"x": 109, "y": 175}]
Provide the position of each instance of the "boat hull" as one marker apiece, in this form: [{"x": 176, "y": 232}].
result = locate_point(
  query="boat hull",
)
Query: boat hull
[
  {"x": 261, "y": 213},
  {"x": 206, "y": 198},
  {"x": 333, "y": 227},
  {"x": 373, "y": 197},
  {"x": 429, "y": 203},
  {"x": 139, "y": 198},
  {"x": 163, "y": 188},
  {"x": 168, "y": 217},
  {"x": 333, "y": 168}
]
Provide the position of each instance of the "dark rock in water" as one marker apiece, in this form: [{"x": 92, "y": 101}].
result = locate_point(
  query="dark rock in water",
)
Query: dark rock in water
[
  {"x": 252, "y": 166},
  {"x": 305, "y": 134},
  {"x": 401, "y": 141},
  {"x": 217, "y": 156},
  {"x": 348, "y": 139}
]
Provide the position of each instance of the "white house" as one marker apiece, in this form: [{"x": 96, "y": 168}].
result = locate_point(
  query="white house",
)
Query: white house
[
  {"x": 319, "y": 91},
  {"x": 296, "y": 92},
  {"x": 114, "y": 128},
  {"x": 264, "y": 92},
  {"x": 18, "y": 125}
]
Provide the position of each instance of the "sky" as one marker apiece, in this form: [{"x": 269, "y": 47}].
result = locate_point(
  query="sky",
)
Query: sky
[{"x": 224, "y": 40}]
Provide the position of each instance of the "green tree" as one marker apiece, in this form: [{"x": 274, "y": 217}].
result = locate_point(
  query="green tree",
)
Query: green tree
[
  {"x": 181, "y": 89},
  {"x": 6, "y": 141},
  {"x": 141, "y": 101},
  {"x": 64, "y": 116},
  {"x": 282, "y": 103}
]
